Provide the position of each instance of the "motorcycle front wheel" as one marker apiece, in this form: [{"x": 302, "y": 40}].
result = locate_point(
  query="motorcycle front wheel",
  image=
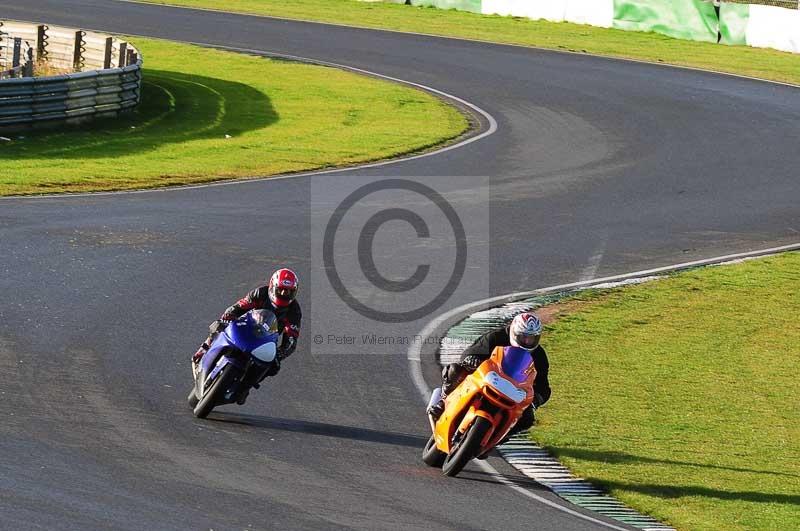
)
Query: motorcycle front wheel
[
  {"x": 467, "y": 448},
  {"x": 214, "y": 395},
  {"x": 431, "y": 455},
  {"x": 192, "y": 398}
]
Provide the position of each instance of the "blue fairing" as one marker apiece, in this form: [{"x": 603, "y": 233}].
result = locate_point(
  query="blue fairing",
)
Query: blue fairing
[
  {"x": 516, "y": 362},
  {"x": 243, "y": 335}
]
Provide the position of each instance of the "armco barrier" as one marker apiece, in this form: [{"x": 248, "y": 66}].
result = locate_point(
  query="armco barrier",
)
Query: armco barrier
[{"x": 107, "y": 78}]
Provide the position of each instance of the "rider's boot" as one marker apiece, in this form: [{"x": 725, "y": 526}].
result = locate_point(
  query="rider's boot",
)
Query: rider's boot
[
  {"x": 436, "y": 404},
  {"x": 243, "y": 397},
  {"x": 452, "y": 376}
]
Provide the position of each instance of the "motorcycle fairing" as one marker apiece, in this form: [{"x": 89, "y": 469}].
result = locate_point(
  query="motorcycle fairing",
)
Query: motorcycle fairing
[
  {"x": 241, "y": 336},
  {"x": 247, "y": 335}
]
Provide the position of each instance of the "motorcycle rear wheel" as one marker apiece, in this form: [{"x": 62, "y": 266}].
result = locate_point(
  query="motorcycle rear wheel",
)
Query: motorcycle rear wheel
[
  {"x": 212, "y": 397},
  {"x": 467, "y": 448},
  {"x": 431, "y": 455}
]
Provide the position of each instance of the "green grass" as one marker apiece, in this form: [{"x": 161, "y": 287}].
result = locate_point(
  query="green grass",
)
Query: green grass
[
  {"x": 208, "y": 115},
  {"x": 768, "y": 64},
  {"x": 680, "y": 396}
]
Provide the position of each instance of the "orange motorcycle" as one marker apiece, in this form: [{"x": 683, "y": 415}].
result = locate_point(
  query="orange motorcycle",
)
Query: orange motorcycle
[{"x": 481, "y": 411}]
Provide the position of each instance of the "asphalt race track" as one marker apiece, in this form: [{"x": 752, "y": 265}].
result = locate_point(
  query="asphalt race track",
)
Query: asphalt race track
[{"x": 597, "y": 167}]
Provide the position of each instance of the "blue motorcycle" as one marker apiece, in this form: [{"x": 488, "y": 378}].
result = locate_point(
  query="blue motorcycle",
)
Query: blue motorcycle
[{"x": 238, "y": 358}]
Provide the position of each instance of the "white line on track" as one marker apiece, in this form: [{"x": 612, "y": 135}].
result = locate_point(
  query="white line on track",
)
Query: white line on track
[
  {"x": 414, "y": 354},
  {"x": 492, "y": 128},
  {"x": 594, "y": 261}
]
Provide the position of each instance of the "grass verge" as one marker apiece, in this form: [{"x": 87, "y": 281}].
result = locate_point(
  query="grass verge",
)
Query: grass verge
[
  {"x": 680, "y": 395},
  {"x": 209, "y": 114},
  {"x": 764, "y": 63}
]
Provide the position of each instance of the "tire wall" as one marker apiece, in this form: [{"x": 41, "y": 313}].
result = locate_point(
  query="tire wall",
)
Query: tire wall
[
  {"x": 773, "y": 27},
  {"x": 733, "y": 20},
  {"x": 593, "y": 12},
  {"x": 473, "y": 6},
  {"x": 694, "y": 20},
  {"x": 760, "y": 26}
]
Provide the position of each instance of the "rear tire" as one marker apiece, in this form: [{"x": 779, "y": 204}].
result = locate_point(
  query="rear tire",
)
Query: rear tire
[
  {"x": 431, "y": 455},
  {"x": 211, "y": 398},
  {"x": 192, "y": 398},
  {"x": 467, "y": 448}
]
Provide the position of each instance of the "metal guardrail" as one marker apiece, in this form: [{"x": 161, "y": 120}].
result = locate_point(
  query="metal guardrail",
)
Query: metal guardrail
[
  {"x": 97, "y": 75},
  {"x": 19, "y": 51}
]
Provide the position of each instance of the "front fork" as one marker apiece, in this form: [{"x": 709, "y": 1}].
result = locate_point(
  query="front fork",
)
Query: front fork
[
  {"x": 201, "y": 376},
  {"x": 254, "y": 373}
]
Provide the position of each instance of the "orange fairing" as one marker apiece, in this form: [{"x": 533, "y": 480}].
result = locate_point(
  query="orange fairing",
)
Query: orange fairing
[{"x": 491, "y": 393}]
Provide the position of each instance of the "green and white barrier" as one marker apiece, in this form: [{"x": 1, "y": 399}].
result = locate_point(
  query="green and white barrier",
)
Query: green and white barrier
[
  {"x": 735, "y": 24},
  {"x": 773, "y": 27},
  {"x": 694, "y": 20},
  {"x": 593, "y": 12},
  {"x": 473, "y": 6}
]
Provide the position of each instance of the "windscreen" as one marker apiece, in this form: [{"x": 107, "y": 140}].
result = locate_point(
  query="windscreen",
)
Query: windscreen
[
  {"x": 264, "y": 323},
  {"x": 516, "y": 362}
]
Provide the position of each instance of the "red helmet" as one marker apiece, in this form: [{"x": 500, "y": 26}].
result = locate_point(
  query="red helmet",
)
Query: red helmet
[{"x": 282, "y": 287}]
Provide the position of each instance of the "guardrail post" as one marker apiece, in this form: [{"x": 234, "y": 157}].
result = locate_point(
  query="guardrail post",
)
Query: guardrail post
[
  {"x": 41, "y": 42},
  {"x": 77, "y": 53},
  {"x": 27, "y": 70},
  {"x": 107, "y": 59},
  {"x": 123, "y": 54},
  {"x": 15, "y": 59}
]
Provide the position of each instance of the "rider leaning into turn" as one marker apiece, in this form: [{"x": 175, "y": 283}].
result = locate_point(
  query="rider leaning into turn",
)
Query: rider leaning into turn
[
  {"x": 525, "y": 331},
  {"x": 278, "y": 296}
]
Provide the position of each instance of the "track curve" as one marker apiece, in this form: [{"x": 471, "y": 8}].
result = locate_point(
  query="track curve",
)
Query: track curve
[{"x": 609, "y": 166}]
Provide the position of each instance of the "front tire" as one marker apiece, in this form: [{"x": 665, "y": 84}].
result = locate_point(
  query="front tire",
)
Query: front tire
[
  {"x": 467, "y": 448},
  {"x": 431, "y": 455},
  {"x": 192, "y": 398},
  {"x": 210, "y": 399}
]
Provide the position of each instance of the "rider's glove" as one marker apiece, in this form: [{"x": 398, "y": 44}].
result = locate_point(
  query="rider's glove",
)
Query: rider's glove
[
  {"x": 471, "y": 363},
  {"x": 218, "y": 326},
  {"x": 286, "y": 348},
  {"x": 290, "y": 330}
]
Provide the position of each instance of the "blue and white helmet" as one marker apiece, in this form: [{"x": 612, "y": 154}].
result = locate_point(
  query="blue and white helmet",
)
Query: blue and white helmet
[{"x": 525, "y": 331}]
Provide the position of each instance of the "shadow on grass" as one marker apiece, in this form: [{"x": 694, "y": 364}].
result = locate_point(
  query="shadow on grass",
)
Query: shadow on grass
[
  {"x": 321, "y": 428},
  {"x": 655, "y": 490},
  {"x": 680, "y": 491},
  {"x": 613, "y": 457},
  {"x": 175, "y": 108}
]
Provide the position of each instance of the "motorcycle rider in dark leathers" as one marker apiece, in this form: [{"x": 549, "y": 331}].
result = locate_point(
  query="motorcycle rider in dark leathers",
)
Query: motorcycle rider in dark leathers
[
  {"x": 524, "y": 331},
  {"x": 278, "y": 296}
]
